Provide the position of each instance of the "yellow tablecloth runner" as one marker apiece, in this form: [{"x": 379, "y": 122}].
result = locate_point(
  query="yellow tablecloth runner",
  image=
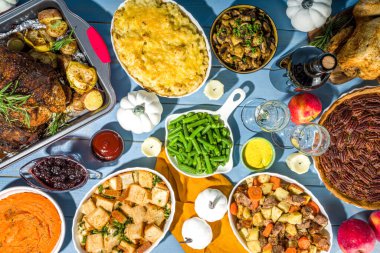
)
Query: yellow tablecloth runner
[{"x": 186, "y": 190}]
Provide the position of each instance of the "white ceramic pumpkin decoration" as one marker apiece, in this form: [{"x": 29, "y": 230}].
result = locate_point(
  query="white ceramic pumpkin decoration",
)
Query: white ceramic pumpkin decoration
[
  {"x": 7, "y": 4},
  {"x": 139, "y": 112},
  {"x": 196, "y": 233},
  {"x": 211, "y": 205},
  {"x": 307, "y": 15}
]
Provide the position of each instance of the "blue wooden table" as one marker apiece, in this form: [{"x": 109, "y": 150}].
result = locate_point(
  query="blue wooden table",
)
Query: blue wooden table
[{"x": 260, "y": 84}]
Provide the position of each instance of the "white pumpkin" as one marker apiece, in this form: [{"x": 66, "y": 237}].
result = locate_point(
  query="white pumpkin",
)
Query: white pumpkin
[
  {"x": 211, "y": 205},
  {"x": 139, "y": 112},
  {"x": 7, "y": 4},
  {"x": 307, "y": 15},
  {"x": 196, "y": 233}
]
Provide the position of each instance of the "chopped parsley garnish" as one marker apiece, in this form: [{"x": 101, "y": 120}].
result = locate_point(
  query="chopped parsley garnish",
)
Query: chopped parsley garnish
[
  {"x": 167, "y": 211},
  {"x": 100, "y": 188},
  {"x": 156, "y": 180},
  {"x": 84, "y": 239},
  {"x": 103, "y": 231}
]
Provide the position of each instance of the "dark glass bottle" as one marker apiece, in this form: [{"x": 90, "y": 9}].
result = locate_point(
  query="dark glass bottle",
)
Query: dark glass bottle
[{"x": 310, "y": 67}]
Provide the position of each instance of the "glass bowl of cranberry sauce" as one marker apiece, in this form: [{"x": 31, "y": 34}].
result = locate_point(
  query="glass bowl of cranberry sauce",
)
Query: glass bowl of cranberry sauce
[{"x": 56, "y": 174}]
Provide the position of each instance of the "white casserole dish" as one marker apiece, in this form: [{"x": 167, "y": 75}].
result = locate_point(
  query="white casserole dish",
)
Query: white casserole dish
[
  {"x": 200, "y": 29},
  {"x": 78, "y": 214},
  {"x": 232, "y": 218}
]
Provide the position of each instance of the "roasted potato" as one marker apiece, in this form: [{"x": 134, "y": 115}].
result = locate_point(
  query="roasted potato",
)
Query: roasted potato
[
  {"x": 48, "y": 58},
  {"x": 70, "y": 48},
  {"x": 57, "y": 28},
  {"x": 82, "y": 78},
  {"x": 48, "y": 15},
  {"x": 39, "y": 40}
]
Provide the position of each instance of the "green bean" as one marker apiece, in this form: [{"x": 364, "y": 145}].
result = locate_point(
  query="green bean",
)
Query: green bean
[
  {"x": 196, "y": 132},
  {"x": 205, "y": 143},
  {"x": 180, "y": 145},
  {"x": 190, "y": 119},
  {"x": 197, "y": 123},
  {"x": 224, "y": 132},
  {"x": 218, "y": 159},
  {"x": 205, "y": 130},
  {"x": 177, "y": 120},
  {"x": 208, "y": 165},
  {"x": 173, "y": 141},
  {"x": 189, "y": 146},
  {"x": 227, "y": 142},
  {"x": 186, "y": 168},
  {"x": 228, "y": 151},
  {"x": 176, "y": 130},
  {"x": 186, "y": 133},
  {"x": 196, "y": 146},
  {"x": 173, "y": 150},
  {"x": 210, "y": 137},
  {"x": 192, "y": 153},
  {"x": 182, "y": 139},
  {"x": 218, "y": 137}
]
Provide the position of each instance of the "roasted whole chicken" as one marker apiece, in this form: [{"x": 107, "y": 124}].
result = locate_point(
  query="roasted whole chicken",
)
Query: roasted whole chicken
[
  {"x": 46, "y": 96},
  {"x": 358, "y": 47}
]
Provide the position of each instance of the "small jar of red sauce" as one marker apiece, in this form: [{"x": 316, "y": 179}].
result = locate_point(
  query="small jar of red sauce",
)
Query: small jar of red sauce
[{"x": 107, "y": 145}]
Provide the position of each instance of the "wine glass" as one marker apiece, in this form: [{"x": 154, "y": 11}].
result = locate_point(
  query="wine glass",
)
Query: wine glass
[{"x": 311, "y": 139}]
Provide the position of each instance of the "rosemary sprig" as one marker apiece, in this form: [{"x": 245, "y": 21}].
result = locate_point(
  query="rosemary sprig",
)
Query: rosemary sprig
[
  {"x": 57, "y": 121},
  {"x": 332, "y": 26},
  {"x": 63, "y": 42},
  {"x": 11, "y": 102}
]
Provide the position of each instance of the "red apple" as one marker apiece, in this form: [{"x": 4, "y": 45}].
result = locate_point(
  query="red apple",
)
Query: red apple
[
  {"x": 374, "y": 221},
  {"x": 356, "y": 236},
  {"x": 304, "y": 108}
]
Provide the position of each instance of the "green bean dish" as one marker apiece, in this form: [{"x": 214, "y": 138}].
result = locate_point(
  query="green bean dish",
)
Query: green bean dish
[{"x": 200, "y": 142}]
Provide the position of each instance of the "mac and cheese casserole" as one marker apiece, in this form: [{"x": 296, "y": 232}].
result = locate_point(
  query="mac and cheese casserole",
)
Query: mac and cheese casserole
[{"x": 160, "y": 47}]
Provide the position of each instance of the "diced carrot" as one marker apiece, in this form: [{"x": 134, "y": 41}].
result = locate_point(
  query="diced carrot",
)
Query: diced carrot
[
  {"x": 313, "y": 206},
  {"x": 254, "y": 204},
  {"x": 267, "y": 247},
  {"x": 304, "y": 243},
  {"x": 255, "y": 193},
  {"x": 291, "y": 250},
  {"x": 268, "y": 230},
  {"x": 293, "y": 209},
  {"x": 276, "y": 182},
  {"x": 234, "y": 208}
]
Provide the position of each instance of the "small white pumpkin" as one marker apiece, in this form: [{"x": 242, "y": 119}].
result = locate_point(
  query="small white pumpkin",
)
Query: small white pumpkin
[
  {"x": 307, "y": 15},
  {"x": 7, "y": 4},
  {"x": 139, "y": 112},
  {"x": 211, "y": 205},
  {"x": 196, "y": 233}
]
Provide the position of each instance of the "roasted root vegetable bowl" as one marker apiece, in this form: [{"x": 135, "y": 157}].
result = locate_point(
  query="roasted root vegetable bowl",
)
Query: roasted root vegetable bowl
[
  {"x": 129, "y": 211},
  {"x": 272, "y": 213}
]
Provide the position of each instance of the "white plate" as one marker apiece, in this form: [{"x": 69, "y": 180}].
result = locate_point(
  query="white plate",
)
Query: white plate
[
  {"x": 21, "y": 189},
  {"x": 79, "y": 215},
  {"x": 232, "y": 218},
  {"x": 200, "y": 29},
  {"x": 224, "y": 112}
]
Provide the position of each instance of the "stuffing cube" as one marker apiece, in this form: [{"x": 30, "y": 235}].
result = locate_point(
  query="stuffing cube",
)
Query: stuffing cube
[
  {"x": 126, "y": 179},
  {"x": 134, "y": 231},
  {"x": 146, "y": 179},
  {"x": 144, "y": 247},
  {"x": 98, "y": 218},
  {"x": 154, "y": 215},
  {"x": 138, "y": 195},
  {"x": 137, "y": 213},
  {"x": 118, "y": 216},
  {"x": 111, "y": 193},
  {"x": 110, "y": 242},
  {"x": 94, "y": 243},
  {"x": 152, "y": 233},
  {"x": 107, "y": 204},
  {"x": 160, "y": 196},
  {"x": 115, "y": 183},
  {"x": 127, "y": 247},
  {"x": 88, "y": 206}
]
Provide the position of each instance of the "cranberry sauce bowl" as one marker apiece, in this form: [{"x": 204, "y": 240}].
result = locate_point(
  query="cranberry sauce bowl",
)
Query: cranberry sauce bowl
[{"x": 56, "y": 174}]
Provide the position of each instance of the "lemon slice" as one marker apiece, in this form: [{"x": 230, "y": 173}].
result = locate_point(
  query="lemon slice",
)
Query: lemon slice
[
  {"x": 299, "y": 163},
  {"x": 151, "y": 147},
  {"x": 214, "y": 90}
]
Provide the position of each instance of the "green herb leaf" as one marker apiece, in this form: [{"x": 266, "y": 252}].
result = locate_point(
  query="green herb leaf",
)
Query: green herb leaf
[
  {"x": 84, "y": 239},
  {"x": 167, "y": 211},
  {"x": 100, "y": 188},
  {"x": 58, "y": 120},
  {"x": 11, "y": 102},
  {"x": 156, "y": 180},
  {"x": 63, "y": 42}
]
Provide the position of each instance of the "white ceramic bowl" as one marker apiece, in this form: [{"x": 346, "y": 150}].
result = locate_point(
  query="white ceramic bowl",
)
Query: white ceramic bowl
[
  {"x": 232, "y": 218},
  {"x": 79, "y": 215},
  {"x": 21, "y": 189},
  {"x": 200, "y": 29},
  {"x": 224, "y": 112}
]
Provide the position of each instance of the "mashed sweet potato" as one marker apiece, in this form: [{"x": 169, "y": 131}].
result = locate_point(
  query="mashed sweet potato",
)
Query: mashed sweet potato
[{"x": 28, "y": 223}]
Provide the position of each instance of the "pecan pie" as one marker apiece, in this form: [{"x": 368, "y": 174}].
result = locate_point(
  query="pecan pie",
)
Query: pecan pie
[{"x": 350, "y": 168}]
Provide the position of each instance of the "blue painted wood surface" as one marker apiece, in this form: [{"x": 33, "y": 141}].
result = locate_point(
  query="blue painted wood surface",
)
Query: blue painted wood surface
[{"x": 260, "y": 84}]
